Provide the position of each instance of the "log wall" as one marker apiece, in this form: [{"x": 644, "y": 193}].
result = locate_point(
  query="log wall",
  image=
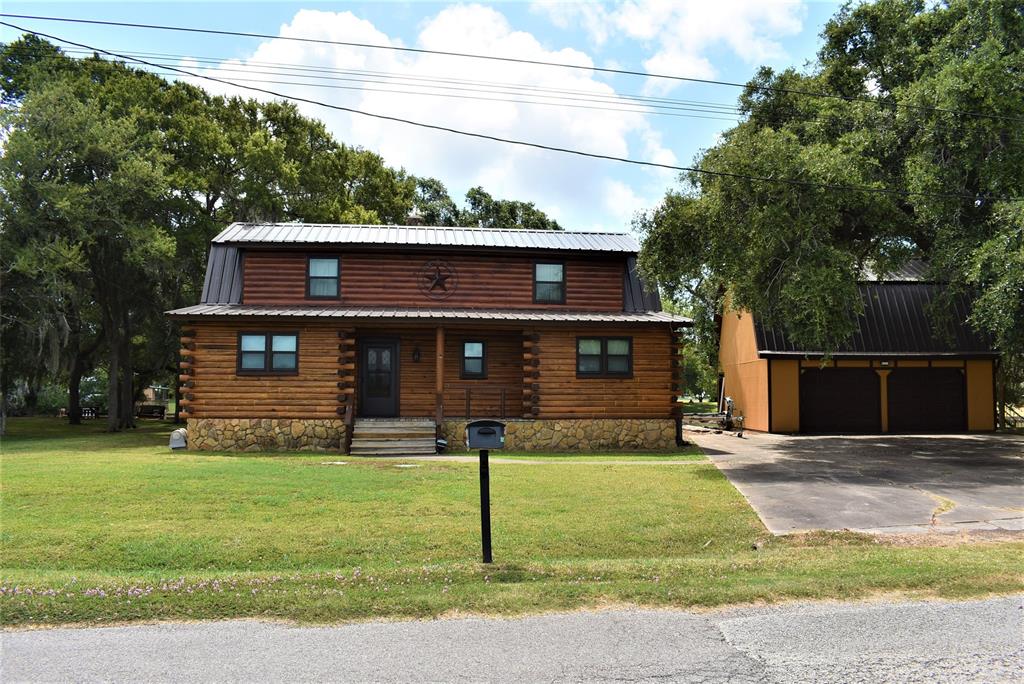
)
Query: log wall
[
  {"x": 215, "y": 390},
  {"x": 279, "y": 278},
  {"x": 648, "y": 394}
]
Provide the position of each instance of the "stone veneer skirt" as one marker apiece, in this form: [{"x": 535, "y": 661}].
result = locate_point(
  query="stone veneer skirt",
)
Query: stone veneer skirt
[
  {"x": 316, "y": 434},
  {"x": 266, "y": 434},
  {"x": 576, "y": 434}
]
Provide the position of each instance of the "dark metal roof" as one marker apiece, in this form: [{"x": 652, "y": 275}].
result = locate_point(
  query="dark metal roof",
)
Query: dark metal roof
[
  {"x": 411, "y": 313},
  {"x": 636, "y": 295},
  {"x": 896, "y": 321},
  {"x": 340, "y": 234},
  {"x": 223, "y": 282},
  {"x": 914, "y": 270}
]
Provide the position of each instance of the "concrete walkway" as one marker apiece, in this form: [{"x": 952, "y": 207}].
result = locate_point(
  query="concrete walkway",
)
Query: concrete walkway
[
  {"x": 876, "y": 642},
  {"x": 564, "y": 460},
  {"x": 880, "y": 484}
]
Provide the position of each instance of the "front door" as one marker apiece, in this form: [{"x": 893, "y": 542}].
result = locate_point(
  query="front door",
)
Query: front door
[{"x": 378, "y": 378}]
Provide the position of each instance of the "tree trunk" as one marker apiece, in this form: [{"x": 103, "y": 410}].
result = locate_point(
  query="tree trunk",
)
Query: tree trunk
[
  {"x": 114, "y": 335},
  {"x": 75, "y": 392},
  {"x": 32, "y": 394},
  {"x": 127, "y": 383},
  {"x": 74, "y": 350},
  {"x": 4, "y": 387}
]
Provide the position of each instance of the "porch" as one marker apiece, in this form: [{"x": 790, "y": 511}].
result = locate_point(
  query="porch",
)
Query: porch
[{"x": 438, "y": 373}]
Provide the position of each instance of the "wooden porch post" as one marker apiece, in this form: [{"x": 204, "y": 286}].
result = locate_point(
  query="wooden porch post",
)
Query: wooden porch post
[
  {"x": 531, "y": 374},
  {"x": 439, "y": 378}
]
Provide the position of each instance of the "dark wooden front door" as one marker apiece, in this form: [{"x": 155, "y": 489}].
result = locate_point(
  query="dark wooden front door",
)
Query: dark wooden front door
[
  {"x": 378, "y": 378},
  {"x": 841, "y": 400},
  {"x": 927, "y": 400}
]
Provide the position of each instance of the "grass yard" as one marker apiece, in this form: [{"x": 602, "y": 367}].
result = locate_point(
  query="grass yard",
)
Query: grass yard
[
  {"x": 100, "y": 528},
  {"x": 691, "y": 406}
]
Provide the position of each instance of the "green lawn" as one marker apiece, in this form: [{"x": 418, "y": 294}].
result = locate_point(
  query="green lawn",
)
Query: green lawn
[
  {"x": 100, "y": 527},
  {"x": 700, "y": 406}
]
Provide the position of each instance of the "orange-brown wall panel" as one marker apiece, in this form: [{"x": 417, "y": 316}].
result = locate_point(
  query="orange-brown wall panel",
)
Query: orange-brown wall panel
[
  {"x": 981, "y": 409},
  {"x": 746, "y": 375},
  {"x": 785, "y": 397}
]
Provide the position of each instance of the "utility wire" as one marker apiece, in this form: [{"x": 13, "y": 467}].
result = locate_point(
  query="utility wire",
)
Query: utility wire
[
  {"x": 470, "y": 97},
  {"x": 251, "y": 66},
  {"x": 514, "y": 60},
  {"x": 524, "y": 143},
  {"x": 391, "y": 78}
]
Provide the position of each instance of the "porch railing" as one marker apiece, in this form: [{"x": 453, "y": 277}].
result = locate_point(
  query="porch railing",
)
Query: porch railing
[{"x": 483, "y": 401}]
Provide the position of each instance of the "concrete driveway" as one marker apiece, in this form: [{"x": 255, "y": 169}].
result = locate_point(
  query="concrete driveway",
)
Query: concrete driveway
[{"x": 894, "y": 484}]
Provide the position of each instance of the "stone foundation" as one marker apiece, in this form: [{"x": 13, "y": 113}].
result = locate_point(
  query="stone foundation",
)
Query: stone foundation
[
  {"x": 266, "y": 434},
  {"x": 578, "y": 434}
]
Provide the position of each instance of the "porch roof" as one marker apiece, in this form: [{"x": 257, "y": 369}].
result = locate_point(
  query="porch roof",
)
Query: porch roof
[{"x": 415, "y": 313}]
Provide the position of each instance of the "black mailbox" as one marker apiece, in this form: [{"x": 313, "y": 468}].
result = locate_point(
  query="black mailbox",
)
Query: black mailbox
[{"x": 485, "y": 434}]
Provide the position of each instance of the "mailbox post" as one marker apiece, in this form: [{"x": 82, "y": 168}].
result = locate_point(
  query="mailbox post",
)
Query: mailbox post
[
  {"x": 485, "y": 435},
  {"x": 485, "y": 506}
]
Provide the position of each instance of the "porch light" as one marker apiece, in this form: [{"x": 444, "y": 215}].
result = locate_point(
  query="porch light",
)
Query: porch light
[{"x": 416, "y": 354}]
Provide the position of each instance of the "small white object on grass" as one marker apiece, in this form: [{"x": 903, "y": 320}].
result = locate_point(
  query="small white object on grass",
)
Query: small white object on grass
[{"x": 334, "y": 463}]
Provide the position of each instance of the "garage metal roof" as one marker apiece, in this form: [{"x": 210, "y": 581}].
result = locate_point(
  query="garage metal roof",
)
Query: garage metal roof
[
  {"x": 914, "y": 270},
  {"x": 896, "y": 321},
  {"x": 344, "y": 234},
  {"x": 412, "y": 313}
]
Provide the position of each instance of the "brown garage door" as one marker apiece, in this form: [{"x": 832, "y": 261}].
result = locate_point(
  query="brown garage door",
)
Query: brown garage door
[
  {"x": 840, "y": 400},
  {"x": 927, "y": 400}
]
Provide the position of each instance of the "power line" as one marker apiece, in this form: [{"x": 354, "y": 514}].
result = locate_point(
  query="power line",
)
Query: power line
[
  {"x": 430, "y": 81},
  {"x": 524, "y": 143},
  {"x": 469, "y": 97},
  {"x": 515, "y": 60},
  {"x": 390, "y": 78}
]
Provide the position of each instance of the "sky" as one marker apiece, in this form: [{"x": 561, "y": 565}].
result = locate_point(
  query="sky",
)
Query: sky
[{"x": 724, "y": 40}]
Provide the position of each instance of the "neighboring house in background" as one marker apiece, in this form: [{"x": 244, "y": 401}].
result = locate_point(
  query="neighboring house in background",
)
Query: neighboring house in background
[
  {"x": 893, "y": 375},
  {"x": 314, "y": 336}
]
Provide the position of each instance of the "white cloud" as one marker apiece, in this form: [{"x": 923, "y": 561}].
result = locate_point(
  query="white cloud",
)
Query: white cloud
[
  {"x": 572, "y": 189},
  {"x": 622, "y": 203},
  {"x": 679, "y": 33}
]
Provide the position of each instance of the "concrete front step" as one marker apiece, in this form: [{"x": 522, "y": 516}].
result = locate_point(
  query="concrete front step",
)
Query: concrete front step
[
  {"x": 403, "y": 448},
  {"x": 393, "y": 422},
  {"x": 376, "y": 432},
  {"x": 393, "y": 437}
]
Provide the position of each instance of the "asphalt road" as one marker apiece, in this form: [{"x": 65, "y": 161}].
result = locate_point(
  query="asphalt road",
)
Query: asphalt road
[{"x": 883, "y": 642}]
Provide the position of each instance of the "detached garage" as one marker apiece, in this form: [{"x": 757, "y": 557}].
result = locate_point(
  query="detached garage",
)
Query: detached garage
[{"x": 893, "y": 375}]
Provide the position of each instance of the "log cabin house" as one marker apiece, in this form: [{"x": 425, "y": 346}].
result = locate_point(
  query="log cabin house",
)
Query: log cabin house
[
  {"x": 377, "y": 339},
  {"x": 895, "y": 374}
]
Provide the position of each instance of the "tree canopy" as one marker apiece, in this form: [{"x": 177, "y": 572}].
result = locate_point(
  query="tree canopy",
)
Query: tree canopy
[
  {"x": 437, "y": 208},
  {"x": 924, "y": 105}
]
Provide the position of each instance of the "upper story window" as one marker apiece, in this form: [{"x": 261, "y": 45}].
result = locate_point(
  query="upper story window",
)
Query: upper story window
[
  {"x": 322, "y": 281},
  {"x": 549, "y": 282},
  {"x": 268, "y": 353},
  {"x": 474, "y": 359},
  {"x": 604, "y": 357}
]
